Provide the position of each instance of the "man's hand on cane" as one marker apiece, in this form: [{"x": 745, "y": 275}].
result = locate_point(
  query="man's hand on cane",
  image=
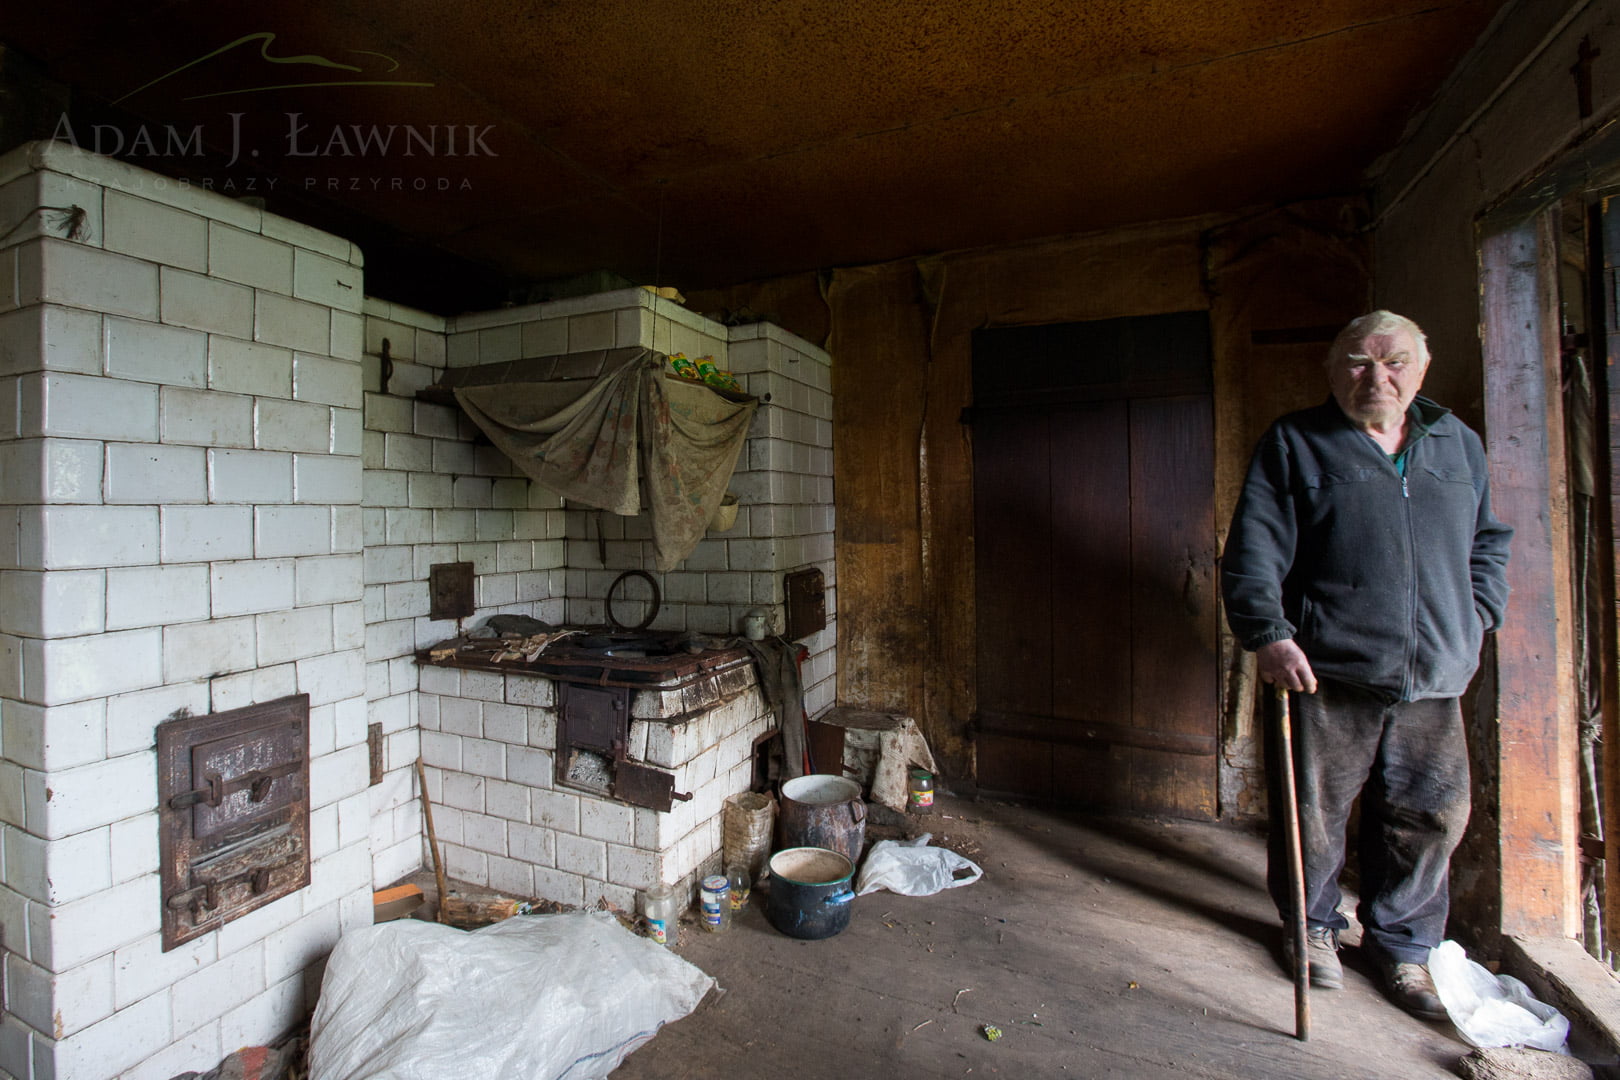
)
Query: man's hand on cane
[{"x": 1282, "y": 663}]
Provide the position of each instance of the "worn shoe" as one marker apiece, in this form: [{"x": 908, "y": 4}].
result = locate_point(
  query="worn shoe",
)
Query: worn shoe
[
  {"x": 1410, "y": 987},
  {"x": 1321, "y": 956}
]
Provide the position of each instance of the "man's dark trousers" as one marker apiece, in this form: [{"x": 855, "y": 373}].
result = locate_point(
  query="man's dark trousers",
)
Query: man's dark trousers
[{"x": 1409, "y": 762}]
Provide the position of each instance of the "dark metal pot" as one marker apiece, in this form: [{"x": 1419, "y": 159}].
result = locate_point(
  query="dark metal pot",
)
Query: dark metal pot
[
  {"x": 822, "y": 811},
  {"x": 810, "y": 892}
]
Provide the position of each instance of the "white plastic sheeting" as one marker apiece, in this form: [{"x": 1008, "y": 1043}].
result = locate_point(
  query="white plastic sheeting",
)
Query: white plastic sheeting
[{"x": 536, "y": 996}]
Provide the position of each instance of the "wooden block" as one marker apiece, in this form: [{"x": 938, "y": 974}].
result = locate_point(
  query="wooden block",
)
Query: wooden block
[
  {"x": 469, "y": 912},
  {"x": 395, "y": 903}
]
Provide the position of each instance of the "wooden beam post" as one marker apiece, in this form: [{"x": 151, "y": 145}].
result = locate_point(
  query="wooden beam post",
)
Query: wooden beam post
[{"x": 1536, "y": 760}]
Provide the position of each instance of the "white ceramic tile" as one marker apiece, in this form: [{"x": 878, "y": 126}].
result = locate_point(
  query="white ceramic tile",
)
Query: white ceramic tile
[
  {"x": 205, "y": 417},
  {"x": 327, "y": 281},
  {"x": 152, "y": 231},
  {"x": 324, "y": 478},
  {"x": 155, "y": 595},
  {"x": 339, "y": 775},
  {"x": 348, "y": 336},
  {"x": 99, "y": 794},
  {"x": 61, "y": 670},
  {"x": 119, "y": 1042},
  {"x": 295, "y": 324},
  {"x": 249, "y": 476},
  {"x": 348, "y": 433},
  {"x": 71, "y": 339},
  {"x": 197, "y": 650},
  {"x": 292, "y": 530},
  {"x": 401, "y": 338},
  {"x": 45, "y": 191},
  {"x": 218, "y": 988},
  {"x": 134, "y": 843},
  {"x": 155, "y": 474},
  {"x": 132, "y": 718},
  {"x": 245, "y": 367},
  {"x": 251, "y": 260},
  {"x": 206, "y": 533},
  {"x": 88, "y": 407},
  {"x": 259, "y": 1019},
  {"x": 305, "y": 236},
  {"x": 334, "y": 677},
  {"x": 292, "y": 425},
  {"x": 251, "y": 586},
  {"x": 56, "y": 604},
  {"x": 62, "y": 272},
  {"x": 149, "y": 352},
  {"x": 327, "y": 381},
  {"x": 51, "y": 470},
  {"x": 284, "y": 636},
  {"x": 545, "y": 337},
  {"x": 328, "y": 579},
  {"x": 142, "y": 970},
  {"x": 78, "y": 537},
  {"x": 204, "y": 303}
]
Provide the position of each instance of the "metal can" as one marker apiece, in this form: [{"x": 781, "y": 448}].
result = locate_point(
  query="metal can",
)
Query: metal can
[{"x": 714, "y": 895}]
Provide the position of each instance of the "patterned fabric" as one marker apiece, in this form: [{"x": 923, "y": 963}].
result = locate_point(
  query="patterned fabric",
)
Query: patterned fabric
[{"x": 627, "y": 441}]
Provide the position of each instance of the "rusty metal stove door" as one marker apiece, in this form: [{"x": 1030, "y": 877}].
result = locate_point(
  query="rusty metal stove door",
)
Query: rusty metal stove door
[{"x": 233, "y": 807}]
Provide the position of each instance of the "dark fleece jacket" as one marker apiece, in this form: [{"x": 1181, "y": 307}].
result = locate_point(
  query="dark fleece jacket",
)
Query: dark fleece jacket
[{"x": 1387, "y": 582}]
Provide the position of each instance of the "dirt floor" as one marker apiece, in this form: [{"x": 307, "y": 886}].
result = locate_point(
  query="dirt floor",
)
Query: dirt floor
[{"x": 1099, "y": 947}]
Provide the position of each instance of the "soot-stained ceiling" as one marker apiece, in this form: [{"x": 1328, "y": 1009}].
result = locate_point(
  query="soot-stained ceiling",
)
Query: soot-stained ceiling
[{"x": 474, "y": 149}]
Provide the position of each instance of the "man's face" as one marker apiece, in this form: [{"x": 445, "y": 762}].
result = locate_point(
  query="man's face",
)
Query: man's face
[{"x": 1378, "y": 378}]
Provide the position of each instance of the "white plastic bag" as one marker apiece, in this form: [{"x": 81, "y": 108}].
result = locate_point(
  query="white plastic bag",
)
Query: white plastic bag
[
  {"x": 912, "y": 868},
  {"x": 1493, "y": 1010},
  {"x": 535, "y": 996}
]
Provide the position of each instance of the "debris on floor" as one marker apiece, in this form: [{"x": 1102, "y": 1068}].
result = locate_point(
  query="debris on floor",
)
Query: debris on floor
[
  {"x": 1521, "y": 1063},
  {"x": 283, "y": 1061},
  {"x": 539, "y": 995}
]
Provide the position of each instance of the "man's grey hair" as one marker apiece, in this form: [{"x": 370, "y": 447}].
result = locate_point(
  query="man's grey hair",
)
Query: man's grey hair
[{"x": 1376, "y": 322}]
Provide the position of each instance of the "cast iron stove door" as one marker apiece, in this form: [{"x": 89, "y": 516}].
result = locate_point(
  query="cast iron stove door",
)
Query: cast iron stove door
[{"x": 233, "y": 807}]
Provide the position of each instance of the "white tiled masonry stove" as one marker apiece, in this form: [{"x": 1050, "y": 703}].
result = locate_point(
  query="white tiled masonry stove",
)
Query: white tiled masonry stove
[{"x": 208, "y": 502}]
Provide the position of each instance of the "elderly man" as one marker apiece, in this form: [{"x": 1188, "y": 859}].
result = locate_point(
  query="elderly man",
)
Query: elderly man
[{"x": 1363, "y": 567}]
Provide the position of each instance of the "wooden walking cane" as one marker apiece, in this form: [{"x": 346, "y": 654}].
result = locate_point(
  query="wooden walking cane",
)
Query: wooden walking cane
[{"x": 1296, "y": 869}]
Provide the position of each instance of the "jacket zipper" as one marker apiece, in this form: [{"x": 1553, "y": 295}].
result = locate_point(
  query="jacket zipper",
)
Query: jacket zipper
[{"x": 1409, "y": 675}]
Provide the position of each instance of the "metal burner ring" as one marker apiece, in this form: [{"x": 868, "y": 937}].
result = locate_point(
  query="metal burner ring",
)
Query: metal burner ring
[{"x": 652, "y": 609}]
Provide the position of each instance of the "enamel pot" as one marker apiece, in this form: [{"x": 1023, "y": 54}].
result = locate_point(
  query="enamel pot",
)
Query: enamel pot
[{"x": 811, "y": 891}]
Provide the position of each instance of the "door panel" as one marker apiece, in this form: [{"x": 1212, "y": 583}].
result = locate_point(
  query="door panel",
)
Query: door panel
[{"x": 1097, "y": 675}]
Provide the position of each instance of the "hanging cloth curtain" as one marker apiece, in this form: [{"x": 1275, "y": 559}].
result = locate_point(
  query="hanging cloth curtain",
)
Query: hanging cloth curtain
[{"x": 626, "y": 440}]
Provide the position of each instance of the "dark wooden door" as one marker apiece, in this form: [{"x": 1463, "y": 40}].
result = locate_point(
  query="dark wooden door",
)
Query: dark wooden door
[{"x": 1094, "y": 530}]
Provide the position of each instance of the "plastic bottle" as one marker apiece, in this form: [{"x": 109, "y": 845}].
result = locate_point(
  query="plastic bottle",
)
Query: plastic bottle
[
  {"x": 714, "y": 896},
  {"x": 737, "y": 878},
  {"x": 921, "y": 797},
  {"x": 659, "y": 907}
]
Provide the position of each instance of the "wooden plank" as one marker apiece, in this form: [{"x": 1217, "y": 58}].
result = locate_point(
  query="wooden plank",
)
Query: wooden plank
[
  {"x": 1089, "y": 556},
  {"x": 1013, "y": 525},
  {"x": 1090, "y": 734},
  {"x": 1536, "y": 763},
  {"x": 880, "y": 337},
  {"x": 1173, "y": 666}
]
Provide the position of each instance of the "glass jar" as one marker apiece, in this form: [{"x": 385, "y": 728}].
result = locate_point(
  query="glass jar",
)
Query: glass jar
[
  {"x": 741, "y": 886},
  {"x": 659, "y": 908},
  {"x": 714, "y": 897},
  {"x": 920, "y": 799}
]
